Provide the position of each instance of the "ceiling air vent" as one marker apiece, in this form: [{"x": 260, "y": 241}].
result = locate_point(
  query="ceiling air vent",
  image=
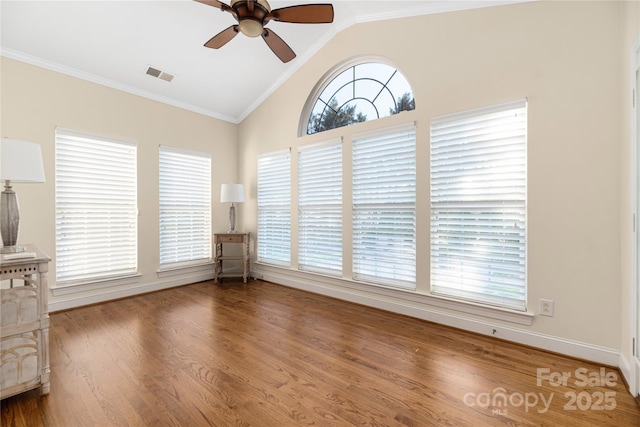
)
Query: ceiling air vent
[
  {"x": 166, "y": 76},
  {"x": 154, "y": 72}
]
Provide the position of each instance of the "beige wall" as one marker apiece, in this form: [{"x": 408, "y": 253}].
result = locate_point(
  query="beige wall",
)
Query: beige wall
[
  {"x": 564, "y": 57},
  {"x": 35, "y": 101}
]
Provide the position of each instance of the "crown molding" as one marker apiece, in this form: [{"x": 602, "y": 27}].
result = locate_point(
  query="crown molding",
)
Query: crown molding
[{"x": 59, "y": 68}]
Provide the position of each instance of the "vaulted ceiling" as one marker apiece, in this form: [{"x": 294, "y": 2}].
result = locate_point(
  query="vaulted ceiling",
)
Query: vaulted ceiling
[{"x": 115, "y": 42}]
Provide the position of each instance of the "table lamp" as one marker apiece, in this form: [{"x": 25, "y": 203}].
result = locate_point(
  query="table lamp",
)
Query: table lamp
[
  {"x": 20, "y": 161},
  {"x": 233, "y": 193}
]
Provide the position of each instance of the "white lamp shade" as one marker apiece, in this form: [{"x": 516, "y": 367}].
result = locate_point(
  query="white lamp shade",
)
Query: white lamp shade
[
  {"x": 233, "y": 193},
  {"x": 20, "y": 161}
]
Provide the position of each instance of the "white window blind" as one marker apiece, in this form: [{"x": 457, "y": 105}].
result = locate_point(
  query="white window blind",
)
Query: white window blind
[
  {"x": 320, "y": 207},
  {"x": 274, "y": 208},
  {"x": 96, "y": 208},
  {"x": 185, "y": 207},
  {"x": 384, "y": 212},
  {"x": 478, "y": 205}
]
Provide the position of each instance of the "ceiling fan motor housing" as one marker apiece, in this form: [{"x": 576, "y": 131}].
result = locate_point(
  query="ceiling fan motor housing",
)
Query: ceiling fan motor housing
[{"x": 251, "y": 15}]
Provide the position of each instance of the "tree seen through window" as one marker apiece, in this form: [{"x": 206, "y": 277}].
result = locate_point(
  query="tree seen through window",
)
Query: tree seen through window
[{"x": 360, "y": 93}]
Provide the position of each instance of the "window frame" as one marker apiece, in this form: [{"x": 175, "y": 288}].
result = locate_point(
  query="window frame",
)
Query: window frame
[
  {"x": 476, "y": 257},
  {"x": 274, "y": 204},
  {"x": 100, "y": 177},
  {"x": 192, "y": 176},
  {"x": 326, "y": 80},
  {"x": 378, "y": 201},
  {"x": 318, "y": 240}
]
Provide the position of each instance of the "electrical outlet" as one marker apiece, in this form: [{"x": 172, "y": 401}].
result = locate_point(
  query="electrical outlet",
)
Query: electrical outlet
[{"x": 546, "y": 307}]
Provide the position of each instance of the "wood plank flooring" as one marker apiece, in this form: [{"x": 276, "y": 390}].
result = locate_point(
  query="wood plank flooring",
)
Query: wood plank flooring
[{"x": 266, "y": 355}]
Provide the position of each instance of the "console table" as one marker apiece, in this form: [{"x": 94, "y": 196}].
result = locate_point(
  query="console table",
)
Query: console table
[
  {"x": 24, "y": 327},
  {"x": 221, "y": 239}
]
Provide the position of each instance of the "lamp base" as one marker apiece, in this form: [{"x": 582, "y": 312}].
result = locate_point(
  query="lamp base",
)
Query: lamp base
[
  {"x": 12, "y": 249},
  {"x": 9, "y": 216},
  {"x": 232, "y": 219}
]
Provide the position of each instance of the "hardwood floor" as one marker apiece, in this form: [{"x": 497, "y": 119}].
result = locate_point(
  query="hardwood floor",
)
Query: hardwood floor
[{"x": 266, "y": 355}]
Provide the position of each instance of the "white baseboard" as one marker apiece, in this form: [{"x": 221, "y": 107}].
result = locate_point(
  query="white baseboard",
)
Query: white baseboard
[
  {"x": 107, "y": 294},
  {"x": 631, "y": 371},
  {"x": 436, "y": 314},
  {"x": 628, "y": 370}
]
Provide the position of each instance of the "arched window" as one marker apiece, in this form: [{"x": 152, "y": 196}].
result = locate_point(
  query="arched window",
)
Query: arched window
[{"x": 362, "y": 92}]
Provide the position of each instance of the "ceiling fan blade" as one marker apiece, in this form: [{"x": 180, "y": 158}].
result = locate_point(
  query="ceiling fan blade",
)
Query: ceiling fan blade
[
  {"x": 214, "y": 3},
  {"x": 278, "y": 46},
  {"x": 222, "y": 38},
  {"x": 304, "y": 14},
  {"x": 222, "y": 6}
]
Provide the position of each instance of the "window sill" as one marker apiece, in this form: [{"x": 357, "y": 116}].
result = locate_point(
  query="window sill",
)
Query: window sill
[
  {"x": 179, "y": 269},
  {"x": 95, "y": 284},
  {"x": 346, "y": 288}
]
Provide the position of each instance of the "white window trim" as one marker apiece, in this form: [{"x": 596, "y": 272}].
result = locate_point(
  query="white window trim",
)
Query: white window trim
[
  {"x": 363, "y": 277},
  {"x": 366, "y": 293},
  {"x": 125, "y": 275},
  {"x": 324, "y": 81},
  {"x": 201, "y": 261},
  {"x": 464, "y": 294},
  {"x": 84, "y": 286},
  {"x": 177, "y": 270},
  {"x": 302, "y": 149},
  {"x": 631, "y": 369},
  {"x": 288, "y": 263}
]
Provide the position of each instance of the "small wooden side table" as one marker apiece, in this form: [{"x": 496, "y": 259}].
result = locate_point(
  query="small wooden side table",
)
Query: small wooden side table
[
  {"x": 24, "y": 329},
  {"x": 220, "y": 239}
]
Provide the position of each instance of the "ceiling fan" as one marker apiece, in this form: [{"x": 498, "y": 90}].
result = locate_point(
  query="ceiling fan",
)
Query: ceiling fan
[{"x": 253, "y": 15}]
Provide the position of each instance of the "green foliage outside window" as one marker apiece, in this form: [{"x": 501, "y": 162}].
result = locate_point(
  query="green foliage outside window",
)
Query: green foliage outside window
[{"x": 360, "y": 93}]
